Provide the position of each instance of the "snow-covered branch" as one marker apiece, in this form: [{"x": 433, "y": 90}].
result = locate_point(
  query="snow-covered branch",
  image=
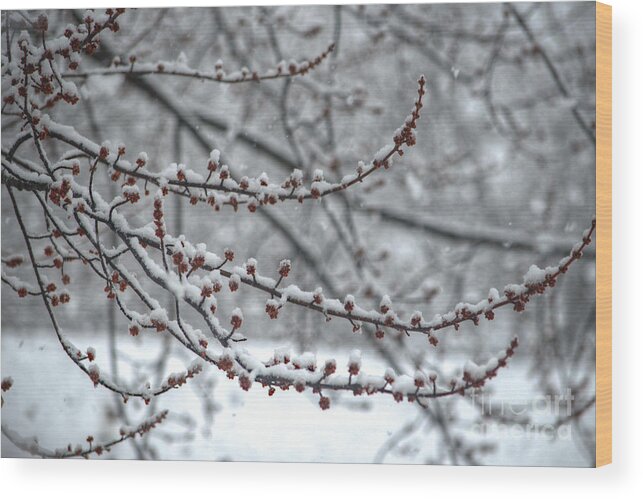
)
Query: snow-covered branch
[
  {"x": 254, "y": 192},
  {"x": 180, "y": 68},
  {"x": 140, "y": 266},
  {"x": 31, "y": 445}
]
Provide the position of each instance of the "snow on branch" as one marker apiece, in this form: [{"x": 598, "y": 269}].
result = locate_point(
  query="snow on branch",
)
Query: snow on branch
[
  {"x": 218, "y": 74},
  {"x": 301, "y": 372},
  {"x": 31, "y": 445},
  {"x": 34, "y": 69},
  {"x": 252, "y": 191},
  {"x": 284, "y": 371},
  {"x": 141, "y": 263},
  {"x": 536, "y": 281},
  {"x": 78, "y": 356},
  {"x": 191, "y": 260}
]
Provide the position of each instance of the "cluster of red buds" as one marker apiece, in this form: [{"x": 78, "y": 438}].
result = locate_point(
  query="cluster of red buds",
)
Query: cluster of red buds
[
  {"x": 109, "y": 291},
  {"x": 385, "y": 304},
  {"x": 180, "y": 173},
  {"x": 7, "y": 383},
  {"x": 197, "y": 261},
  {"x": 303, "y": 68},
  {"x": 37, "y": 62},
  {"x": 158, "y": 218},
  {"x": 464, "y": 313},
  {"x": 490, "y": 372},
  {"x": 272, "y": 308},
  {"x": 224, "y": 173},
  {"x": 55, "y": 300},
  {"x": 179, "y": 260},
  {"x": 94, "y": 374},
  {"x": 206, "y": 291},
  {"x": 130, "y": 191},
  {"x": 251, "y": 267},
  {"x": 145, "y": 427},
  {"x": 354, "y": 363},
  {"x": 416, "y": 319},
  {"x": 324, "y": 403},
  {"x": 398, "y": 396},
  {"x": 245, "y": 382},
  {"x": 14, "y": 261},
  {"x": 305, "y": 361},
  {"x": 226, "y": 364},
  {"x": 59, "y": 192},
  {"x": 141, "y": 160},
  {"x": 318, "y": 296},
  {"x": 213, "y": 161},
  {"x": 389, "y": 376},
  {"x": 117, "y": 279},
  {"x": 406, "y": 135},
  {"x": 233, "y": 282},
  {"x": 519, "y": 300},
  {"x": 93, "y": 28},
  {"x": 176, "y": 380},
  {"x": 158, "y": 324},
  {"x": 419, "y": 379},
  {"x": 284, "y": 268},
  {"x": 330, "y": 367},
  {"x": 236, "y": 319},
  {"x": 295, "y": 180}
]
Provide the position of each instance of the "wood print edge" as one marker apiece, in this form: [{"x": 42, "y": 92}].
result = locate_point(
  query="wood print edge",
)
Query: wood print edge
[{"x": 604, "y": 234}]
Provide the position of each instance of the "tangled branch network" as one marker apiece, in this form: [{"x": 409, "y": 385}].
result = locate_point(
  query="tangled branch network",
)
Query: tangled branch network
[{"x": 37, "y": 78}]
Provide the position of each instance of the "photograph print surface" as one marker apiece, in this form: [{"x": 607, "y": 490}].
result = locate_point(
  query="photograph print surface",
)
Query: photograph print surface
[{"x": 347, "y": 234}]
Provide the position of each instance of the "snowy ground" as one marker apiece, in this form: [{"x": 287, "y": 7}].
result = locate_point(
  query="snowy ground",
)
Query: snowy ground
[{"x": 52, "y": 399}]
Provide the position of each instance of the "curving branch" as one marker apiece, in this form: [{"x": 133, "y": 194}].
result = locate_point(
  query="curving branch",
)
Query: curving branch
[
  {"x": 535, "y": 282},
  {"x": 144, "y": 262},
  {"x": 78, "y": 356},
  {"x": 32, "y": 446},
  {"x": 254, "y": 192}
]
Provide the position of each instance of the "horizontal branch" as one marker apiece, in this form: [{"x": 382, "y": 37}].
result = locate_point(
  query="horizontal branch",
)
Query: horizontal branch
[
  {"x": 282, "y": 369},
  {"x": 178, "y": 68}
]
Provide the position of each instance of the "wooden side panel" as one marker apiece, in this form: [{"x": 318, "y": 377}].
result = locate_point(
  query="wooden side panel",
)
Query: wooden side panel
[{"x": 604, "y": 234}]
